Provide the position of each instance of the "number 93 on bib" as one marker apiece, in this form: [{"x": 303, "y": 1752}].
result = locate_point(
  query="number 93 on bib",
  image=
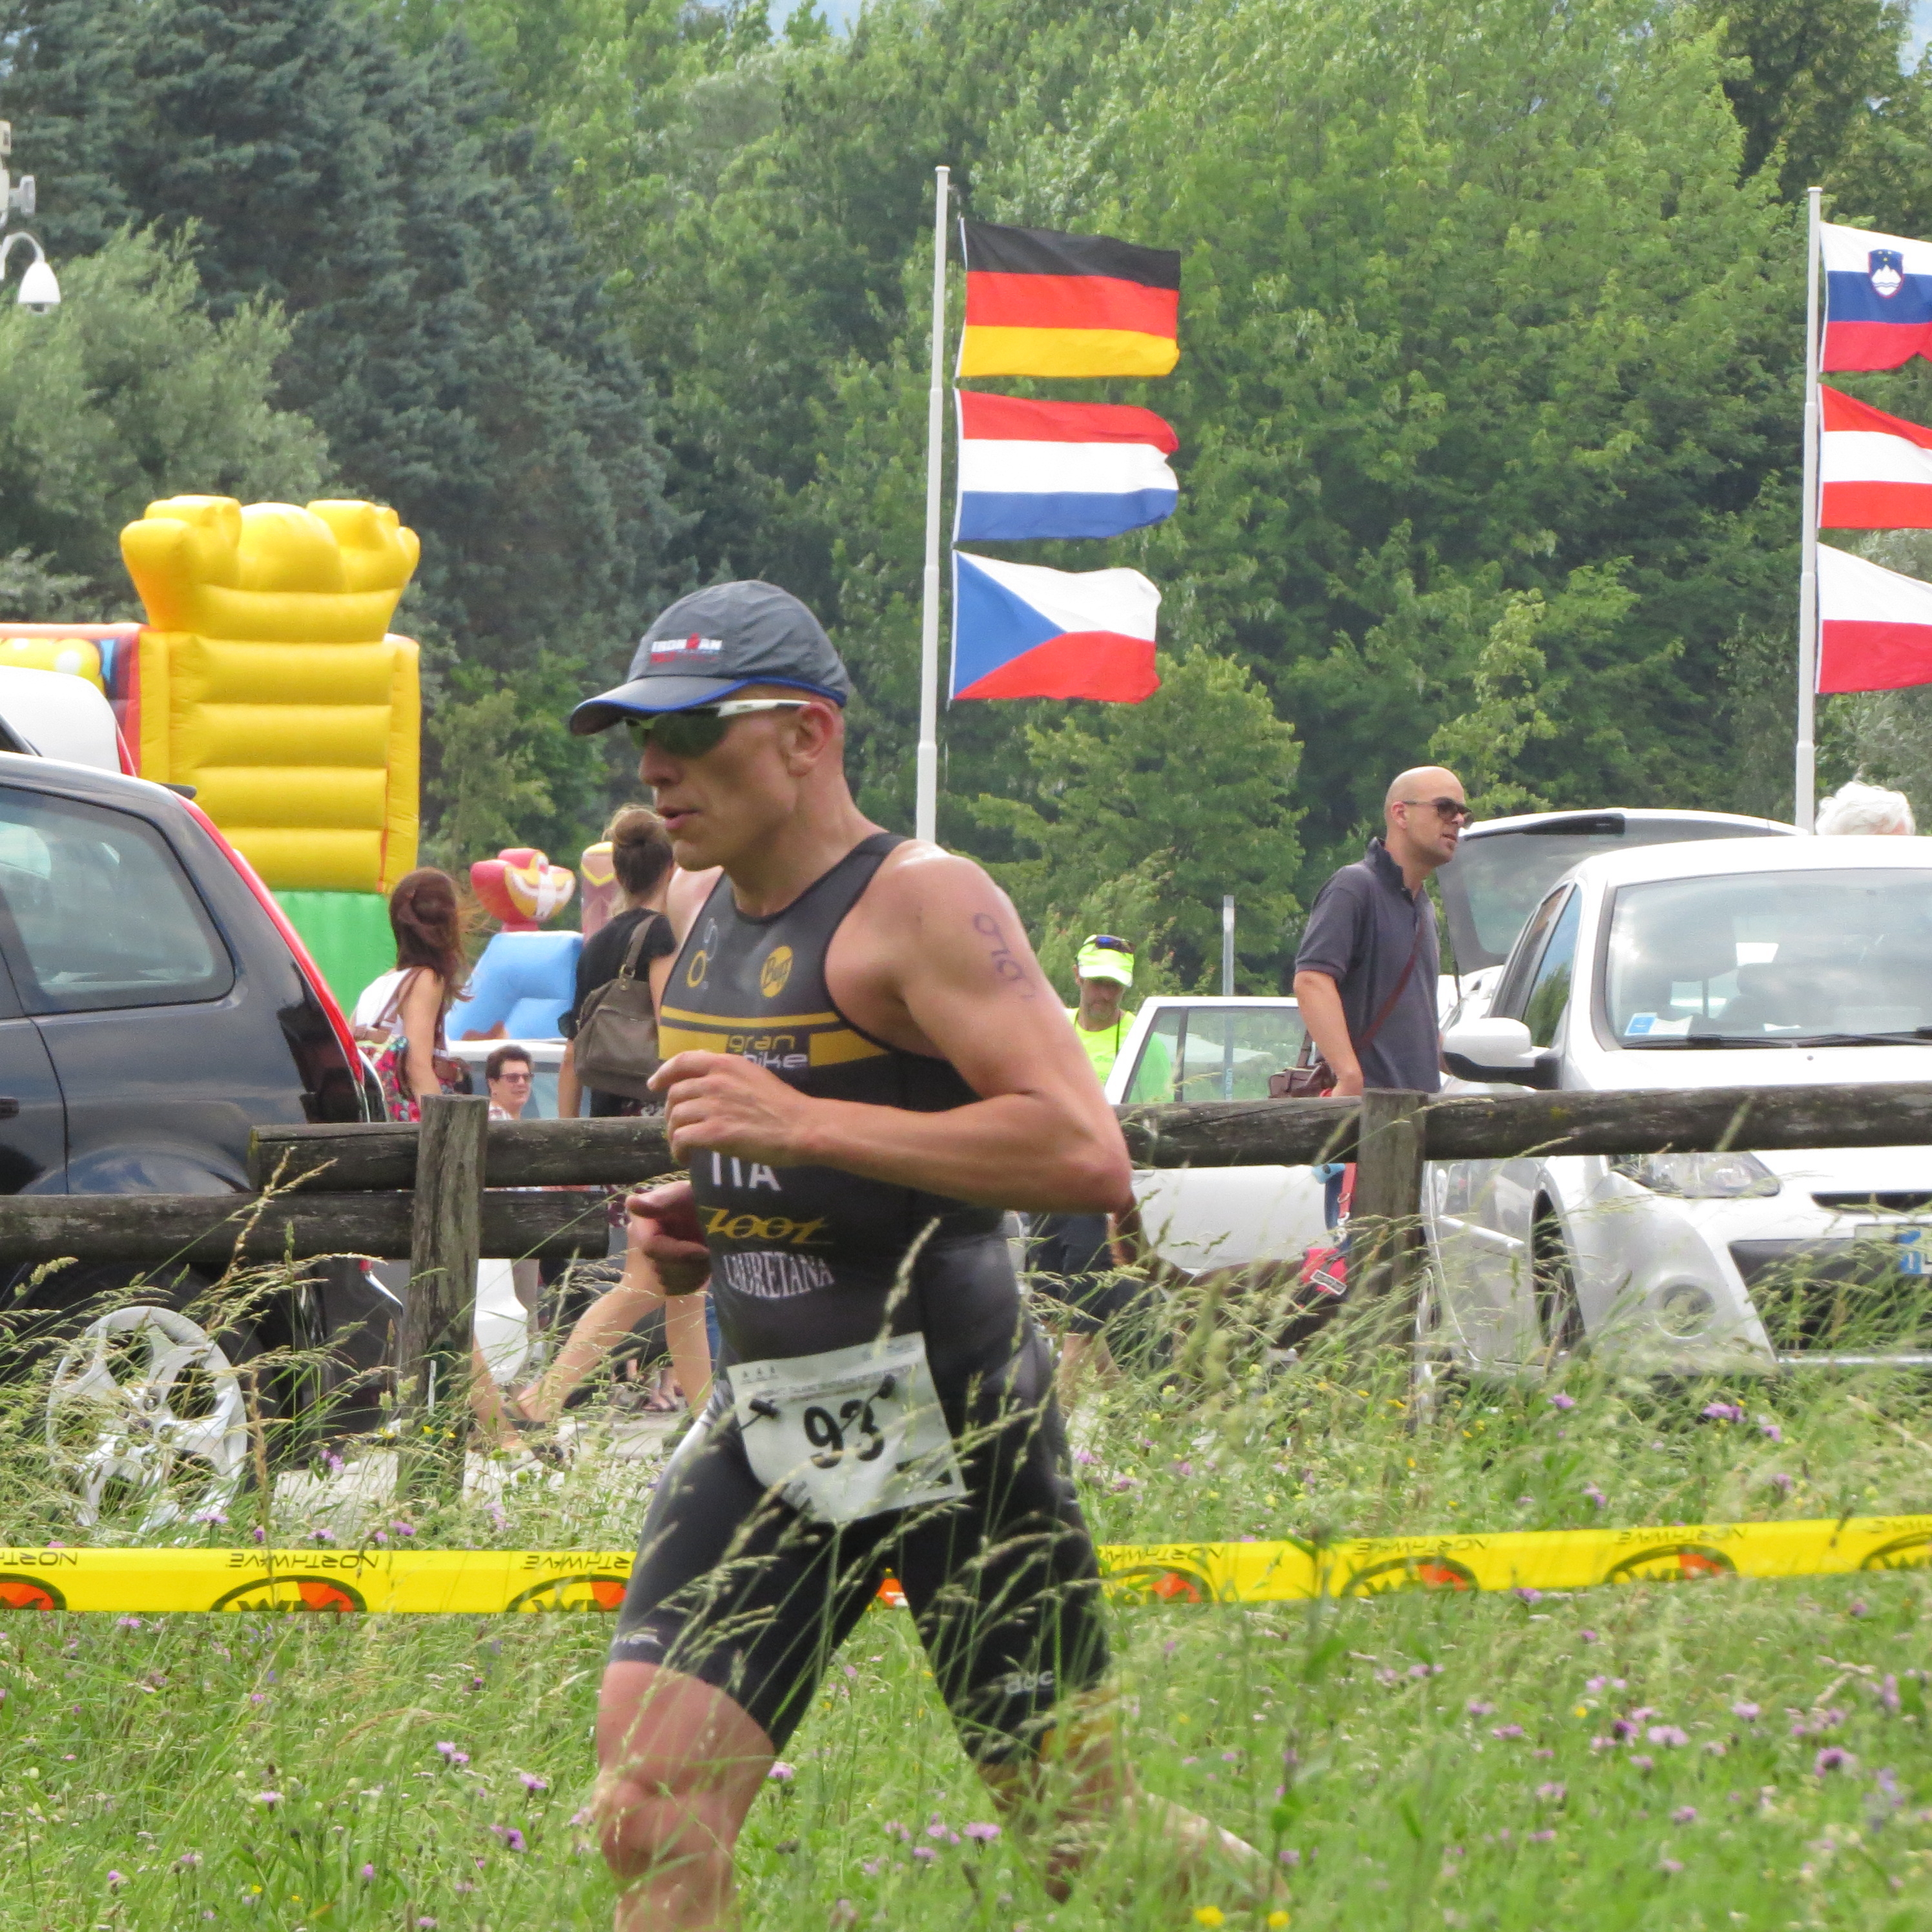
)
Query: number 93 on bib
[{"x": 851, "y": 1433}]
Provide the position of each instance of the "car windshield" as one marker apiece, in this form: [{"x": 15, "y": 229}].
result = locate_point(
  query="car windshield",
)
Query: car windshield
[
  {"x": 1771, "y": 957},
  {"x": 1497, "y": 879},
  {"x": 1215, "y": 1053}
]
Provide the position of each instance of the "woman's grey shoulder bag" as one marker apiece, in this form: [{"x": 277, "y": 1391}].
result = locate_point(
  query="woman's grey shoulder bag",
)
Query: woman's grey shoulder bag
[{"x": 617, "y": 1031}]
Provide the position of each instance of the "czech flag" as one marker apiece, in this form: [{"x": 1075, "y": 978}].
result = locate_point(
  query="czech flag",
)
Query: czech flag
[
  {"x": 1878, "y": 298},
  {"x": 1875, "y": 470},
  {"x": 1874, "y": 626},
  {"x": 1021, "y": 631},
  {"x": 1041, "y": 304},
  {"x": 1060, "y": 469}
]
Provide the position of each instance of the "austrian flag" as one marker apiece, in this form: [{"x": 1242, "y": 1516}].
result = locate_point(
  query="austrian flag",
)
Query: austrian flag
[
  {"x": 1875, "y": 471},
  {"x": 1875, "y": 626}
]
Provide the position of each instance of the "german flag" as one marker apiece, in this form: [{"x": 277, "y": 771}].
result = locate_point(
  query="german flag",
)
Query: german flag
[{"x": 1040, "y": 303}]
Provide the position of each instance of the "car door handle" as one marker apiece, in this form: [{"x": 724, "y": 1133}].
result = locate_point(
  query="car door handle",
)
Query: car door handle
[{"x": 10, "y": 1107}]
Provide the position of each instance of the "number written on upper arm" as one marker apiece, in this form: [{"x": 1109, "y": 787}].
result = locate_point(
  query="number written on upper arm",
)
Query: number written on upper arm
[{"x": 1005, "y": 963}]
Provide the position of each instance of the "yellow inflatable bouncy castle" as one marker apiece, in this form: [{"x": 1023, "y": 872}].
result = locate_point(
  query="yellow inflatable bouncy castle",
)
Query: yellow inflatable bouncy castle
[{"x": 267, "y": 679}]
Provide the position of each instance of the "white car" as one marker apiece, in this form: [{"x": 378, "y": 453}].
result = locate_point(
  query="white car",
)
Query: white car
[
  {"x": 1504, "y": 866},
  {"x": 1200, "y": 1221},
  {"x": 1767, "y": 962}
]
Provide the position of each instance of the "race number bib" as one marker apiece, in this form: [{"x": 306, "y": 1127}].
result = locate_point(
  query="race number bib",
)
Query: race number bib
[{"x": 851, "y": 1433}]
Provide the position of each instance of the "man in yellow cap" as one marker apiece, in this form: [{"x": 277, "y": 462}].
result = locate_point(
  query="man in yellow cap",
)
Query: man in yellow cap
[{"x": 1069, "y": 1255}]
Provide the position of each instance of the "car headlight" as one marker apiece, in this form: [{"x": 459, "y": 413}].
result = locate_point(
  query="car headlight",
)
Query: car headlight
[{"x": 1698, "y": 1177}]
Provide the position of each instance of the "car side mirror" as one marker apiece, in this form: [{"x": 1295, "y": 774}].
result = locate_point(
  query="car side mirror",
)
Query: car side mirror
[{"x": 1492, "y": 1050}]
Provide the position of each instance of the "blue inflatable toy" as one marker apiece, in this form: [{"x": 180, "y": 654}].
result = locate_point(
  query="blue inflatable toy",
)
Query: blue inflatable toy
[{"x": 525, "y": 981}]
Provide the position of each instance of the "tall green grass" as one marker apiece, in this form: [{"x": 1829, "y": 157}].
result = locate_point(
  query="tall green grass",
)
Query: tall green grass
[{"x": 1708, "y": 1755}]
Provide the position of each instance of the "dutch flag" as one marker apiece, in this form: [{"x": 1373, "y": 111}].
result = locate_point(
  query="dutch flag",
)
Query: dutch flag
[
  {"x": 1031, "y": 470},
  {"x": 1021, "y": 631}
]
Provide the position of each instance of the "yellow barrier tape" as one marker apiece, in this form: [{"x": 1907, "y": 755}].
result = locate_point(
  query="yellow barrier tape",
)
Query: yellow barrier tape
[{"x": 438, "y": 1581}]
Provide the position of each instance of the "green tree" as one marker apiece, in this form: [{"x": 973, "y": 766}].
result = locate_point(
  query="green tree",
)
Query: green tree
[
  {"x": 130, "y": 391},
  {"x": 1144, "y": 815},
  {"x": 446, "y": 333},
  {"x": 1806, "y": 76},
  {"x": 1472, "y": 302}
]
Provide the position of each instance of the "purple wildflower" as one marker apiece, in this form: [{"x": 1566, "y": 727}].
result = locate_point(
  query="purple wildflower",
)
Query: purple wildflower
[
  {"x": 1716, "y": 1747},
  {"x": 1668, "y": 1735},
  {"x": 1552, "y": 1794},
  {"x": 456, "y": 1759},
  {"x": 1723, "y": 1411},
  {"x": 781, "y": 1773},
  {"x": 260, "y": 1534},
  {"x": 1476, "y": 1708},
  {"x": 925, "y": 1854},
  {"x": 268, "y": 1800},
  {"x": 1290, "y": 1856},
  {"x": 1769, "y": 1430},
  {"x": 1506, "y": 1731},
  {"x": 1684, "y": 1814},
  {"x": 1184, "y": 1467},
  {"x": 1888, "y": 1696},
  {"x": 127, "y": 1623},
  {"x": 323, "y": 1535},
  {"x": 1858, "y": 1607},
  {"x": 1588, "y": 1636},
  {"x": 1622, "y": 1729},
  {"x": 1528, "y": 1596},
  {"x": 367, "y": 1874},
  {"x": 1085, "y": 1458},
  {"x": 1598, "y": 1500},
  {"x": 984, "y": 1833},
  {"x": 1560, "y": 1400},
  {"x": 512, "y": 1838},
  {"x": 1670, "y": 1864},
  {"x": 894, "y": 1829},
  {"x": 1746, "y": 1711},
  {"x": 187, "y": 1861},
  {"x": 871, "y": 1867},
  {"x": 1780, "y": 1482},
  {"x": 531, "y": 1783},
  {"x": 1832, "y": 1758},
  {"x": 582, "y": 1815},
  {"x": 403, "y": 1529},
  {"x": 1603, "y": 1743},
  {"x": 1644, "y": 1762},
  {"x": 1542, "y": 1837}
]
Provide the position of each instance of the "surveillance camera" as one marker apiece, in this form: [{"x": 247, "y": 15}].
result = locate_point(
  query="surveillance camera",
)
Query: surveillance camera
[{"x": 39, "y": 291}]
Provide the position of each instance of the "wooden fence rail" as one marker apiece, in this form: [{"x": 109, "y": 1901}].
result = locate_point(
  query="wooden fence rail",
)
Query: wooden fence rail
[{"x": 332, "y": 1190}]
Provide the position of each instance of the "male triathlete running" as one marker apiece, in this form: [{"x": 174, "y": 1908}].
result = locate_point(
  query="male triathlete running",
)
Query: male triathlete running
[{"x": 866, "y": 1067}]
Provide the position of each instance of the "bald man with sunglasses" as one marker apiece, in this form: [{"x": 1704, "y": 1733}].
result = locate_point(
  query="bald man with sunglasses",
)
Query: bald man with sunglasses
[{"x": 1365, "y": 973}]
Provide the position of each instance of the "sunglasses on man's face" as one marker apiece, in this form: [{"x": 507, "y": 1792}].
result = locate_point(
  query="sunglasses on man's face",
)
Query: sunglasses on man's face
[
  {"x": 690, "y": 734},
  {"x": 1449, "y": 810}
]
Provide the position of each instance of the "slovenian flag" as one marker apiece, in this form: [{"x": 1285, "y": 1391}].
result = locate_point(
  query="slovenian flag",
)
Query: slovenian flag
[
  {"x": 1878, "y": 298},
  {"x": 1021, "y": 631},
  {"x": 1874, "y": 626},
  {"x": 1875, "y": 470},
  {"x": 1043, "y": 303},
  {"x": 1060, "y": 469}
]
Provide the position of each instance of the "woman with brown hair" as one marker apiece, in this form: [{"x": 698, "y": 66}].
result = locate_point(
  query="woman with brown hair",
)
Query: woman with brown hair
[
  {"x": 427, "y": 921},
  {"x": 641, "y": 858}
]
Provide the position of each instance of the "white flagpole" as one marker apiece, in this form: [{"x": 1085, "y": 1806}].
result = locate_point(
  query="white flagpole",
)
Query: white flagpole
[
  {"x": 1804, "y": 804},
  {"x": 926, "y": 816}
]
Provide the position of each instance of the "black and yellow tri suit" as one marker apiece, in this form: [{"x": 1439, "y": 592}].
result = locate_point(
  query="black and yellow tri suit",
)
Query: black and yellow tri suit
[{"x": 733, "y": 1585}]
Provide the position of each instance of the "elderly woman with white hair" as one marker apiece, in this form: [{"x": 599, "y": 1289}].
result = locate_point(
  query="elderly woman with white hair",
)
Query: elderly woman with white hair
[{"x": 1856, "y": 811}]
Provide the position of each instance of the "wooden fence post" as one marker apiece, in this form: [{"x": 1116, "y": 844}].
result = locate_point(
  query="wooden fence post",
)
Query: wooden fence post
[
  {"x": 1385, "y": 1215},
  {"x": 432, "y": 1341}
]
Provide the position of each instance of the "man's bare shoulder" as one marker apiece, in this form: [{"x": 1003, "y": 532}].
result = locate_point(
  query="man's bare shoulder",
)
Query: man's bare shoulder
[
  {"x": 684, "y": 897},
  {"x": 917, "y": 878}
]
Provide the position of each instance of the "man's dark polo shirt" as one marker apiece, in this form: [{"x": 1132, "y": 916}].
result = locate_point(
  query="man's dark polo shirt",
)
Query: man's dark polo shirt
[{"x": 1361, "y": 934}]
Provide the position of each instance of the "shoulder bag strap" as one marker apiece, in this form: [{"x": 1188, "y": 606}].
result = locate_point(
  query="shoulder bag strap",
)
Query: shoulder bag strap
[
  {"x": 628, "y": 971},
  {"x": 1401, "y": 984}
]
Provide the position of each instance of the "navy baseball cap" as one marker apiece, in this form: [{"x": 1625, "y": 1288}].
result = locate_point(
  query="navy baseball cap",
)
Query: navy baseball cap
[{"x": 714, "y": 642}]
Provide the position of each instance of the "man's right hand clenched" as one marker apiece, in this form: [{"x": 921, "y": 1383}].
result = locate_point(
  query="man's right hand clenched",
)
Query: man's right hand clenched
[{"x": 663, "y": 1226}]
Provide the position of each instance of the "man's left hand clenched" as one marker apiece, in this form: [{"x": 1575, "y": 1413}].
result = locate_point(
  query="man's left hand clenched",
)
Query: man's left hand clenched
[{"x": 728, "y": 1104}]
